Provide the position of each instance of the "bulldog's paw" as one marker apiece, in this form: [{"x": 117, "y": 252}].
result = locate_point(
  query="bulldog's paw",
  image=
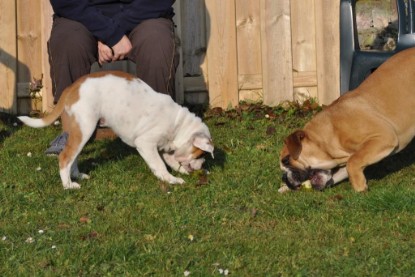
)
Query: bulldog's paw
[
  {"x": 177, "y": 181},
  {"x": 72, "y": 185},
  {"x": 182, "y": 170},
  {"x": 363, "y": 188},
  {"x": 173, "y": 180}
]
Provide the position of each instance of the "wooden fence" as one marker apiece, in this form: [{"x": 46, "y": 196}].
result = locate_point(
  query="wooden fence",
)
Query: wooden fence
[{"x": 231, "y": 50}]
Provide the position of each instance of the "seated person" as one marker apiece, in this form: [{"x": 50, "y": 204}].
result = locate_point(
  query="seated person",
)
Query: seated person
[{"x": 104, "y": 31}]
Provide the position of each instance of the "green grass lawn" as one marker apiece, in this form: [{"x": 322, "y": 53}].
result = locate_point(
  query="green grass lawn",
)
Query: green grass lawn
[{"x": 124, "y": 222}]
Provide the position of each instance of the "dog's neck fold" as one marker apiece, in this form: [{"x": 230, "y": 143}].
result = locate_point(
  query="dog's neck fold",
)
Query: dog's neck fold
[{"x": 185, "y": 125}]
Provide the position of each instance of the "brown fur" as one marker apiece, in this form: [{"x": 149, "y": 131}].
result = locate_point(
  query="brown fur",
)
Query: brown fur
[
  {"x": 74, "y": 140},
  {"x": 197, "y": 152},
  {"x": 293, "y": 143}
]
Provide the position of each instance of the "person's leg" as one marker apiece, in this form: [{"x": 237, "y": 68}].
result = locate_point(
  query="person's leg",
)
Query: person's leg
[
  {"x": 155, "y": 54},
  {"x": 72, "y": 50}
]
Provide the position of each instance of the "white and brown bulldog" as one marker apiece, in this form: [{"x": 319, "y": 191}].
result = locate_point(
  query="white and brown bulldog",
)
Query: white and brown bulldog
[
  {"x": 362, "y": 127},
  {"x": 149, "y": 121}
]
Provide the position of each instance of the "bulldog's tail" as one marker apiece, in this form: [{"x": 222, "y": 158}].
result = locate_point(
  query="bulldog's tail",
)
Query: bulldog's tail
[{"x": 48, "y": 119}]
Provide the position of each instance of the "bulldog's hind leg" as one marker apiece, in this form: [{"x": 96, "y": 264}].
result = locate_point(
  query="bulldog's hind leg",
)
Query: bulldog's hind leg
[
  {"x": 151, "y": 156},
  {"x": 68, "y": 157},
  {"x": 372, "y": 151}
]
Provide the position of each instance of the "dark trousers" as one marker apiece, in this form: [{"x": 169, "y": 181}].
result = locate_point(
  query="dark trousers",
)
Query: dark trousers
[{"x": 73, "y": 50}]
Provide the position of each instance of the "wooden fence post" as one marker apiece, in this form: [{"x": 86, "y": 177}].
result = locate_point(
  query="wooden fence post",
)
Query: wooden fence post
[
  {"x": 276, "y": 51},
  {"x": 304, "y": 49},
  {"x": 179, "y": 87},
  {"x": 46, "y": 26},
  {"x": 29, "y": 45},
  {"x": 328, "y": 50},
  {"x": 8, "y": 57},
  {"x": 248, "y": 26},
  {"x": 222, "y": 53}
]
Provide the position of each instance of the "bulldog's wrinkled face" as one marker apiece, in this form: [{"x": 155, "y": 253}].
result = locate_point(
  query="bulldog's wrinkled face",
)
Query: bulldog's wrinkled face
[
  {"x": 191, "y": 161},
  {"x": 297, "y": 169},
  {"x": 191, "y": 155},
  {"x": 321, "y": 179},
  {"x": 294, "y": 177}
]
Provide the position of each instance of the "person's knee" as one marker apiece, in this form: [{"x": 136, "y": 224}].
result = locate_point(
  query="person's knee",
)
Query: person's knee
[
  {"x": 154, "y": 39},
  {"x": 71, "y": 40}
]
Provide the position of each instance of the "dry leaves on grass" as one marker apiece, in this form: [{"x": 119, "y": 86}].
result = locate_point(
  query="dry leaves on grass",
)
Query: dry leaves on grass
[
  {"x": 203, "y": 179},
  {"x": 260, "y": 111},
  {"x": 89, "y": 236}
]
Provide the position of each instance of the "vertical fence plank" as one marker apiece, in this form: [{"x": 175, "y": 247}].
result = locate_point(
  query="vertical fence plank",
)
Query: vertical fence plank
[
  {"x": 194, "y": 45},
  {"x": 328, "y": 50},
  {"x": 8, "y": 56},
  {"x": 46, "y": 26},
  {"x": 222, "y": 53},
  {"x": 193, "y": 20},
  {"x": 304, "y": 49},
  {"x": 179, "y": 88},
  {"x": 276, "y": 51},
  {"x": 29, "y": 39},
  {"x": 248, "y": 28},
  {"x": 29, "y": 45}
]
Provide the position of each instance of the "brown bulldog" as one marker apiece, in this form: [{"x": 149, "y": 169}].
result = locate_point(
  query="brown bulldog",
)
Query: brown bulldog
[{"x": 360, "y": 128}]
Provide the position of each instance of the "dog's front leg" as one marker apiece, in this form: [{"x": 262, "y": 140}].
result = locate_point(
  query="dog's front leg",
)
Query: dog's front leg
[
  {"x": 370, "y": 152},
  {"x": 151, "y": 156},
  {"x": 340, "y": 175}
]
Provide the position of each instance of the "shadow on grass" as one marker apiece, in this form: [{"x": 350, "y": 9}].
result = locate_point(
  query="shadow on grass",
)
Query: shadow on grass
[
  {"x": 392, "y": 163},
  {"x": 116, "y": 149},
  {"x": 219, "y": 160},
  {"x": 7, "y": 120}
]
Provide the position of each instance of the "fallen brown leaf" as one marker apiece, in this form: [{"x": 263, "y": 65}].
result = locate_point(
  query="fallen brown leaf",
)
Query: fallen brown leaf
[
  {"x": 270, "y": 130},
  {"x": 84, "y": 219}
]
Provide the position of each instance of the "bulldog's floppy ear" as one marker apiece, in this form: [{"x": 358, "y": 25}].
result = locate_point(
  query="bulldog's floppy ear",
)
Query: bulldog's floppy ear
[
  {"x": 203, "y": 142},
  {"x": 293, "y": 143}
]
